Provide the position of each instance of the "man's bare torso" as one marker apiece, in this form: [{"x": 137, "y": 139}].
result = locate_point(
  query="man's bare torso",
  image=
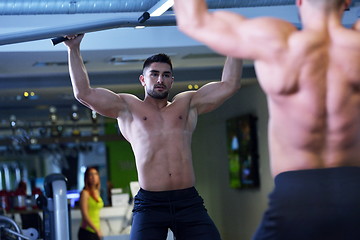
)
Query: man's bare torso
[
  {"x": 313, "y": 90},
  {"x": 161, "y": 141}
]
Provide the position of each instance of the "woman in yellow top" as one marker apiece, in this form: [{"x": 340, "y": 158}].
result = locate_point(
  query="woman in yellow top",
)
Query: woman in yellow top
[{"x": 90, "y": 205}]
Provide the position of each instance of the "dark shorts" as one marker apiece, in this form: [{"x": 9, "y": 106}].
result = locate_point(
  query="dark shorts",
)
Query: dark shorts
[
  {"x": 84, "y": 234},
  {"x": 321, "y": 204},
  {"x": 182, "y": 211}
]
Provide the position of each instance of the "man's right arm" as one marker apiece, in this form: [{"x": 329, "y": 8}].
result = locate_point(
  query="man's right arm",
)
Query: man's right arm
[
  {"x": 356, "y": 25},
  {"x": 101, "y": 100}
]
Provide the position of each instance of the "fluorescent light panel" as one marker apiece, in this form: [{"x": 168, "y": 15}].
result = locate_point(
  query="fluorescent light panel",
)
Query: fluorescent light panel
[{"x": 161, "y": 7}]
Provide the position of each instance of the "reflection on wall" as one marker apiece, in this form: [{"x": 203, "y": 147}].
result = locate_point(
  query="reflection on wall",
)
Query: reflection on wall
[{"x": 243, "y": 154}]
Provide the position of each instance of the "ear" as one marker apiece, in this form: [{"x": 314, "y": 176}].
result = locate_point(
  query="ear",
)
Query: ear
[
  {"x": 172, "y": 81},
  {"x": 142, "y": 80},
  {"x": 347, "y": 4}
]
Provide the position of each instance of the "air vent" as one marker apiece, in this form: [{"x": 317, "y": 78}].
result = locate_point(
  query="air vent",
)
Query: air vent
[
  {"x": 202, "y": 55},
  {"x": 52, "y": 64},
  {"x": 120, "y": 60},
  {"x": 125, "y": 59}
]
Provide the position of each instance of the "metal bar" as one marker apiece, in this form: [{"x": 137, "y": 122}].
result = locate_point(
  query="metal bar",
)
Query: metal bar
[
  {"x": 20, "y": 236},
  {"x": 46, "y": 33},
  {"x": 38, "y": 7},
  {"x": 12, "y": 222}
]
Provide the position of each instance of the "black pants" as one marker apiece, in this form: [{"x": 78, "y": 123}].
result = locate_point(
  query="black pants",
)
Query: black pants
[
  {"x": 182, "y": 211},
  {"x": 322, "y": 204},
  {"x": 84, "y": 234}
]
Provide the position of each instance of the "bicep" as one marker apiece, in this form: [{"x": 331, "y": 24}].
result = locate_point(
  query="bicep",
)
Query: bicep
[
  {"x": 210, "y": 96},
  {"x": 234, "y": 35},
  {"x": 104, "y": 102},
  {"x": 216, "y": 30}
]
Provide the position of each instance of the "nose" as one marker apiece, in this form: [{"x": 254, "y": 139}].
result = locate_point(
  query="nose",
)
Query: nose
[{"x": 160, "y": 79}]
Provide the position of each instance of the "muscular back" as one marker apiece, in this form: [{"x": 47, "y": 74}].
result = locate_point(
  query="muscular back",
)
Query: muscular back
[{"x": 313, "y": 89}]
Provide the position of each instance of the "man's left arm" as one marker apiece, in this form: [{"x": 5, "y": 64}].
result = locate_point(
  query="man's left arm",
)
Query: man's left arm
[
  {"x": 232, "y": 34},
  {"x": 212, "y": 95},
  {"x": 219, "y": 30}
]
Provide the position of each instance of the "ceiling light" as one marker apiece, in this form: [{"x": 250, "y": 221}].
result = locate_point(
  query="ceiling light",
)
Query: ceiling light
[
  {"x": 157, "y": 10},
  {"x": 139, "y": 27},
  {"x": 161, "y": 7}
]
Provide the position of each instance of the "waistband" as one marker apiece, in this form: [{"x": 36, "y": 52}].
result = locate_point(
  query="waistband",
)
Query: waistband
[
  {"x": 169, "y": 195},
  {"x": 319, "y": 172},
  {"x": 315, "y": 177},
  {"x": 327, "y": 185}
]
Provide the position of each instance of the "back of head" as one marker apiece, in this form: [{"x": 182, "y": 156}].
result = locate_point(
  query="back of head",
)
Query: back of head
[
  {"x": 327, "y": 4},
  {"x": 161, "y": 57}
]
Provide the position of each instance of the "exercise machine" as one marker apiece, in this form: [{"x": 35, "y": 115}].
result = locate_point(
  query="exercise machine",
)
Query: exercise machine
[{"x": 56, "y": 214}]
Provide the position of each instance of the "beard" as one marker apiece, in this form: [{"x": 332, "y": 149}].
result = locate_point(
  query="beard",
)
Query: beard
[{"x": 157, "y": 95}]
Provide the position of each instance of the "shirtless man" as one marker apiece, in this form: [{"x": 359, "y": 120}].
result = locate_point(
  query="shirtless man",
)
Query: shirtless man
[
  {"x": 160, "y": 134},
  {"x": 312, "y": 81}
]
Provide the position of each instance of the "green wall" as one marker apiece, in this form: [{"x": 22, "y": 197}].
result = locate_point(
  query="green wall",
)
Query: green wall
[{"x": 121, "y": 160}]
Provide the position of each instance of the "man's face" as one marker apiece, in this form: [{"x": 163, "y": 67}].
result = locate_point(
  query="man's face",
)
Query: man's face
[{"x": 157, "y": 80}]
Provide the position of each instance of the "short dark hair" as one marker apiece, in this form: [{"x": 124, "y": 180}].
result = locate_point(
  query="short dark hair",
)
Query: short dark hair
[
  {"x": 328, "y": 4},
  {"x": 161, "y": 57}
]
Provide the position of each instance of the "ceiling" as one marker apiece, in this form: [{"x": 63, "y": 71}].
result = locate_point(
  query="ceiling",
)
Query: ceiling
[{"x": 113, "y": 55}]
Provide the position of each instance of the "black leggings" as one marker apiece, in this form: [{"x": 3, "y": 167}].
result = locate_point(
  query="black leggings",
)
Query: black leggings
[
  {"x": 182, "y": 211},
  {"x": 84, "y": 234},
  {"x": 321, "y": 204}
]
